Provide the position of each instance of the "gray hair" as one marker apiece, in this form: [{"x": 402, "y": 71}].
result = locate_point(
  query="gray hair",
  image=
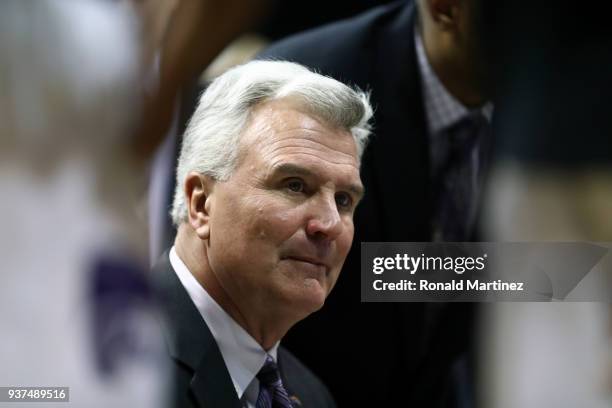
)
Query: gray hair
[{"x": 211, "y": 141}]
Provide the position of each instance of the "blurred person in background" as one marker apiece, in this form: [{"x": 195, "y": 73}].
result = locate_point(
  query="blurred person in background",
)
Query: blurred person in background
[
  {"x": 427, "y": 72},
  {"x": 551, "y": 181},
  {"x": 76, "y": 131}
]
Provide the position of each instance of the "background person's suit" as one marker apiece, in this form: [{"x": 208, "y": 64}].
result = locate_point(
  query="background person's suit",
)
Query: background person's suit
[
  {"x": 200, "y": 377},
  {"x": 385, "y": 354}
]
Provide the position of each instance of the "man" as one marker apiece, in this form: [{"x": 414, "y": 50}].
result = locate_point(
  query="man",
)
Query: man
[
  {"x": 267, "y": 184},
  {"x": 425, "y": 70}
]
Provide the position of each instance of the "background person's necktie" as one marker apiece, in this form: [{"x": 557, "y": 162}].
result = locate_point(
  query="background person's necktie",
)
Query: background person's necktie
[
  {"x": 272, "y": 394},
  {"x": 458, "y": 183}
]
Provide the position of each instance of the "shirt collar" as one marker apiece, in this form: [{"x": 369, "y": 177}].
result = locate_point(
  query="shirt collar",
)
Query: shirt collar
[
  {"x": 442, "y": 109},
  {"x": 243, "y": 356}
]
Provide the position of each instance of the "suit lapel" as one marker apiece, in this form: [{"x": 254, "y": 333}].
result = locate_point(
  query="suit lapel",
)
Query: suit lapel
[
  {"x": 211, "y": 383},
  {"x": 397, "y": 165},
  {"x": 399, "y": 160},
  {"x": 191, "y": 343}
]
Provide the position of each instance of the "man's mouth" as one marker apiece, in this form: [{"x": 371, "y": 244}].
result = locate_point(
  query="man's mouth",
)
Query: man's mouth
[{"x": 314, "y": 263}]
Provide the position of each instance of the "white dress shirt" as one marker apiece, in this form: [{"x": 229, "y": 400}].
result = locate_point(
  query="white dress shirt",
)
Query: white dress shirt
[{"x": 243, "y": 356}]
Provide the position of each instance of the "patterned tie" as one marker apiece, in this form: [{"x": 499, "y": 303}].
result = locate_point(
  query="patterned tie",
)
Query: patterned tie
[
  {"x": 459, "y": 180},
  {"x": 272, "y": 394}
]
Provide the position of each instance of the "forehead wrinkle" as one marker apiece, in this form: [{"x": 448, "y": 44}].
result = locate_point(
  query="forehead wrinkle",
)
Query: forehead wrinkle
[
  {"x": 277, "y": 118},
  {"x": 262, "y": 132},
  {"x": 351, "y": 164},
  {"x": 307, "y": 150},
  {"x": 313, "y": 143},
  {"x": 272, "y": 135},
  {"x": 312, "y": 137}
]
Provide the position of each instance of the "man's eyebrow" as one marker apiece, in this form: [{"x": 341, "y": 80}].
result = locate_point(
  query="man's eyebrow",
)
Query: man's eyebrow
[{"x": 294, "y": 169}]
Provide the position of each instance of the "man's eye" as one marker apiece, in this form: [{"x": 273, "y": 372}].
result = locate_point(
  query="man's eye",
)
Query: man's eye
[
  {"x": 344, "y": 200},
  {"x": 295, "y": 185}
]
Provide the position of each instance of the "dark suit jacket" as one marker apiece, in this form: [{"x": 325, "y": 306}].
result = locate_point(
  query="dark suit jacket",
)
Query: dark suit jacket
[
  {"x": 384, "y": 354},
  {"x": 200, "y": 378}
]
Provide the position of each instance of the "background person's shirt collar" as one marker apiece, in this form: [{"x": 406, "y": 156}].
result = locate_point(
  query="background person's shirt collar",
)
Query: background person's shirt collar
[
  {"x": 442, "y": 109},
  {"x": 243, "y": 356}
]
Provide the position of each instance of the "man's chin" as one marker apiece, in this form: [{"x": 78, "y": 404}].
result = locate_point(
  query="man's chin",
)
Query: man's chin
[
  {"x": 304, "y": 289},
  {"x": 310, "y": 298}
]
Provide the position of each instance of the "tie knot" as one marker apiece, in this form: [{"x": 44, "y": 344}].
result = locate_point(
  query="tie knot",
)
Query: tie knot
[
  {"x": 269, "y": 375},
  {"x": 272, "y": 394}
]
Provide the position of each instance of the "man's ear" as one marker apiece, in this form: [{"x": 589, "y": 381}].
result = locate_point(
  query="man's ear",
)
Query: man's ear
[
  {"x": 198, "y": 191},
  {"x": 444, "y": 13}
]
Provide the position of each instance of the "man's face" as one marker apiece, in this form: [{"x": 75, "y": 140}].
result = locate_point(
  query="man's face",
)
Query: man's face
[{"x": 282, "y": 225}]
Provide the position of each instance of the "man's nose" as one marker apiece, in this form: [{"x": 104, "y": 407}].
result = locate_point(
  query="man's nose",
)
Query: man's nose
[{"x": 325, "y": 222}]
